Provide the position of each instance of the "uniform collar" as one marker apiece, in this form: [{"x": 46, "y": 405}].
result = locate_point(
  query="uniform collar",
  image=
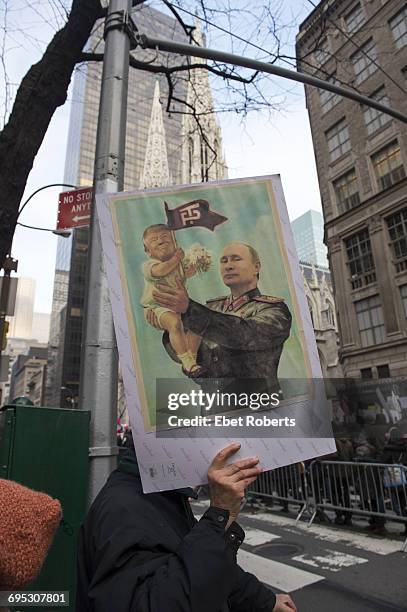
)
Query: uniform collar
[{"x": 231, "y": 305}]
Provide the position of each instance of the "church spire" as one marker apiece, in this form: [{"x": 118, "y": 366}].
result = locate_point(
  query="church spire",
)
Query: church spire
[
  {"x": 156, "y": 171},
  {"x": 202, "y": 158}
]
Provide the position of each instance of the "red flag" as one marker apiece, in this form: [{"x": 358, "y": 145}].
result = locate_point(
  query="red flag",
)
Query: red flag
[{"x": 193, "y": 214}]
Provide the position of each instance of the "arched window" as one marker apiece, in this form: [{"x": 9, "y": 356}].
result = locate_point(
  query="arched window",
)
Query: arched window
[
  {"x": 311, "y": 311},
  {"x": 330, "y": 315}
]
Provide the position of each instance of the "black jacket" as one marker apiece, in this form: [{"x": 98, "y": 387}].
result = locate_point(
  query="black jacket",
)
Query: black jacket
[{"x": 146, "y": 553}]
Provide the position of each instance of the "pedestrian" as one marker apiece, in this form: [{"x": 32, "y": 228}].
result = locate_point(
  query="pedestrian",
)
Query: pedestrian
[
  {"x": 370, "y": 484},
  {"x": 28, "y": 522},
  {"x": 340, "y": 493},
  {"x": 146, "y": 552},
  {"x": 395, "y": 478}
]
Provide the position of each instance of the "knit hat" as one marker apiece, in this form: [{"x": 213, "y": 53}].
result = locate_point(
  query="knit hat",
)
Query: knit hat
[{"x": 28, "y": 522}]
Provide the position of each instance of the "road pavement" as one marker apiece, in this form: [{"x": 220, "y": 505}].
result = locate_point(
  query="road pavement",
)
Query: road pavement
[{"x": 324, "y": 567}]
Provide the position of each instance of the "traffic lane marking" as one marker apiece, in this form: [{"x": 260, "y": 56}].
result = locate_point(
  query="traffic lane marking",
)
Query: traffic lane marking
[
  {"x": 255, "y": 537},
  {"x": 377, "y": 545},
  {"x": 275, "y": 574},
  {"x": 332, "y": 561}
]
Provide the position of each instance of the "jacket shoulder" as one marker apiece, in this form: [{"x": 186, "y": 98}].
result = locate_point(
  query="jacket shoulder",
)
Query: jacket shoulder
[
  {"x": 222, "y": 298},
  {"x": 269, "y": 299}
]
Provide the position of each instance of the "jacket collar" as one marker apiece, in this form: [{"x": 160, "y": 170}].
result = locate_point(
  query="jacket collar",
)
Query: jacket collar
[{"x": 232, "y": 305}]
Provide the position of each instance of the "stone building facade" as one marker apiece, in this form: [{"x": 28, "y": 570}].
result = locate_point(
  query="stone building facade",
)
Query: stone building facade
[
  {"x": 321, "y": 304},
  {"x": 361, "y": 158}
]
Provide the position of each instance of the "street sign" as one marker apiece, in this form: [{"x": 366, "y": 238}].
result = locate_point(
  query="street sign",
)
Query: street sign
[{"x": 74, "y": 208}]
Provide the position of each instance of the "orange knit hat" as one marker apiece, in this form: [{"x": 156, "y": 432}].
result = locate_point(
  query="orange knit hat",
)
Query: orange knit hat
[{"x": 28, "y": 521}]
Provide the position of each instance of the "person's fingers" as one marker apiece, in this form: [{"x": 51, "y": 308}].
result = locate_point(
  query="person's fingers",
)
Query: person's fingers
[
  {"x": 180, "y": 284},
  {"x": 164, "y": 301},
  {"x": 287, "y": 603},
  {"x": 155, "y": 323},
  {"x": 234, "y": 467},
  {"x": 244, "y": 474},
  {"x": 151, "y": 318},
  {"x": 230, "y": 469},
  {"x": 291, "y": 604},
  {"x": 242, "y": 464},
  {"x": 223, "y": 455},
  {"x": 247, "y": 481}
]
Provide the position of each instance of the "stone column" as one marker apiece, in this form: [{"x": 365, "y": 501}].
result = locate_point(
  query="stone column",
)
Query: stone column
[
  {"x": 342, "y": 288},
  {"x": 384, "y": 273}
]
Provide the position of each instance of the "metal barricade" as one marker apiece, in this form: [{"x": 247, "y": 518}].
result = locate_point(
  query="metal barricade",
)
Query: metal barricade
[
  {"x": 361, "y": 488},
  {"x": 287, "y": 484}
]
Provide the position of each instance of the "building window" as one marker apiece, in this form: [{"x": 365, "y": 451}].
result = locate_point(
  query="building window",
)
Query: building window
[
  {"x": 360, "y": 259},
  {"x": 383, "y": 371},
  {"x": 370, "y": 320},
  {"x": 374, "y": 119},
  {"x": 329, "y": 316},
  {"x": 363, "y": 61},
  {"x": 397, "y": 226},
  {"x": 327, "y": 98},
  {"x": 311, "y": 311},
  {"x": 321, "y": 52},
  {"x": 388, "y": 166},
  {"x": 398, "y": 26},
  {"x": 354, "y": 19},
  {"x": 338, "y": 140},
  {"x": 403, "y": 293},
  {"x": 346, "y": 191},
  {"x": 366, "y": 373}
]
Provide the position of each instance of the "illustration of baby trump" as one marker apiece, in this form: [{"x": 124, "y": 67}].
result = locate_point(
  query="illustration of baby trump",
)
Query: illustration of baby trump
[{"x": 169, "y": 266}]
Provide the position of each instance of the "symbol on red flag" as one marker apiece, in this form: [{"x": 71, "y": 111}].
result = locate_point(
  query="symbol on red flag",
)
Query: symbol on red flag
[{"x": 193, "y": 214}]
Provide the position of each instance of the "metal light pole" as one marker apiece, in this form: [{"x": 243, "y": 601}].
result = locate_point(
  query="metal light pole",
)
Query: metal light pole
[
  {"x": 9, "y": 265},
  {"x": 98, "y": 389}
]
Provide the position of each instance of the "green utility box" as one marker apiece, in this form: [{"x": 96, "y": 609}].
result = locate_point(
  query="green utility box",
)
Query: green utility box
[{"x": 47, "y": 450}]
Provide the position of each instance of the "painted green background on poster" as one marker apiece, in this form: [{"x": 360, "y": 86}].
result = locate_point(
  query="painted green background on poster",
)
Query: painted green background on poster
[{"x": 250, "y": 220}]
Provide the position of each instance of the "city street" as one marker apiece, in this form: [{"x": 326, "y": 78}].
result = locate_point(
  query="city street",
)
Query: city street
[{"x": 324, "y": 567}]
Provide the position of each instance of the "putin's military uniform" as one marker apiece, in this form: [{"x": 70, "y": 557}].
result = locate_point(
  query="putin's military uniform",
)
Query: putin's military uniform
[{"x": 241, "y": 338}]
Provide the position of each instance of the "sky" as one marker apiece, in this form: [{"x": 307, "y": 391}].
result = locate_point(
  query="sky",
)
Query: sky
[{"x": 280, "y": 144}]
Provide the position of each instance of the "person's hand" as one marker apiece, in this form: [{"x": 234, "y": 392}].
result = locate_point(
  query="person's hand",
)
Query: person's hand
[
  {"x": 284, "y": 603},
  {"x": 178, "y": 255},
  {"x": 176, "y": 299},
  {"x": 151, "y": 318},
  {"x": 190, "y": 270},
  {"x": 227, "y": 482}
]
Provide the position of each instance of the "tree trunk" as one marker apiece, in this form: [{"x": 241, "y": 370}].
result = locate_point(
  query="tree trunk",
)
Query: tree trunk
[{"x": 42, "y": 90}]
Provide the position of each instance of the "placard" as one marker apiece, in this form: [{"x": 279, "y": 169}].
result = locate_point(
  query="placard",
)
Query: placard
[{"x": 213, "y": 329}]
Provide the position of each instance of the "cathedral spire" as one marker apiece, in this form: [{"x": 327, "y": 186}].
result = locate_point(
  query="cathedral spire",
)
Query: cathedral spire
[
  {"x": 156, "y": 171},
  {"x": 202, "y": 157}
]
